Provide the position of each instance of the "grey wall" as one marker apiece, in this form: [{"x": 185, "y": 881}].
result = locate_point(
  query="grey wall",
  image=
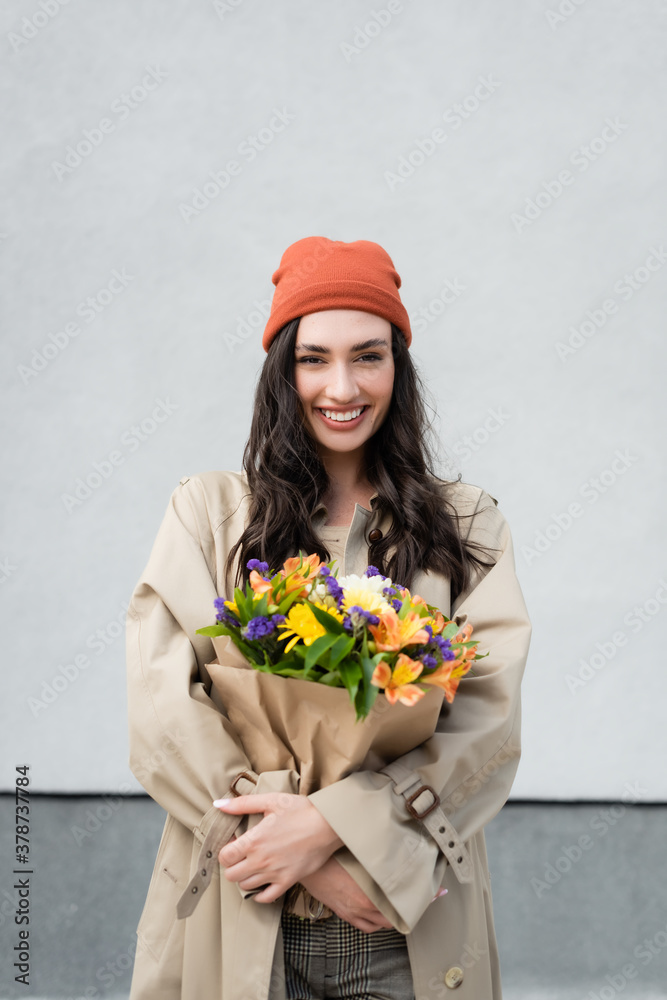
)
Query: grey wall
[{"x": 541, "y": 202}]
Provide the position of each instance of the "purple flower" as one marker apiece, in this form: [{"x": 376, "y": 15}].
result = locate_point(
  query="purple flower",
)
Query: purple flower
[
  {"x": 223, "y": 614},
  {"x": 325, "y": 571},
  {"x": 260, "y": 626},
  {"x": 372, "y": 571},
  {"x": 445, "y": 647},
  {"x": 429, "y": 661},
  {"x": 427, "y": 628},
  {"x": 357, "y": 616},
  {"x": 334, "y": 588},
  {"x": 261, "y": 567}
]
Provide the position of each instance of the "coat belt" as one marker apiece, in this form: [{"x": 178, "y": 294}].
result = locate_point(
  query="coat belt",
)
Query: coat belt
[
  {"x": 219, "y": 833},
  {"x": 423, "y": 803}
]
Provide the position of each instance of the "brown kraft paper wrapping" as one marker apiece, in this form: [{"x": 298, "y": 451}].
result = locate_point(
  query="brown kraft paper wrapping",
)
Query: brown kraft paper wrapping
[{"x": 286, "y": 723}]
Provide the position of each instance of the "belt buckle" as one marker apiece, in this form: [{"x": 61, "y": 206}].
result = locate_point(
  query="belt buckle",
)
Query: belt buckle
[
  {"x": 243, "y": 774},
  {"x": 411, "y": 809}
]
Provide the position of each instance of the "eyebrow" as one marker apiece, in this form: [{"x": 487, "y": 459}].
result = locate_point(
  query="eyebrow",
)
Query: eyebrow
[{"x": 362, "y": 346}]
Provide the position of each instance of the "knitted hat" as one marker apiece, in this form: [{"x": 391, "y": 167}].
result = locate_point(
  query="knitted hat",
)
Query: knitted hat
[{"x": 316, "y": 273}]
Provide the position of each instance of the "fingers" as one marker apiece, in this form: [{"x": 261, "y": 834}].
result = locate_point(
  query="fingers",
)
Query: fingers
[
  {"x": 231, "y": 854},
  {"x": 253, "y": 883},
  {"x": 270, "y": 894},
  {"x": 366, "y": 925},
  {"x": 248, "y": 803},
  {"x": 245, "y": 875}
]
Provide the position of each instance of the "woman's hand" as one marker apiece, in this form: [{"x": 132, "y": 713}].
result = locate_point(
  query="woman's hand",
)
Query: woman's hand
[
  {"x": 336, "y": 888},
  {"x": 288, "y": 844}
]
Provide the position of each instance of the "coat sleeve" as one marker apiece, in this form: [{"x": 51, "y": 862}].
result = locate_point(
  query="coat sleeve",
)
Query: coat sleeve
[
  {"x": 183, "y": 750},
  {"x": 470, "y": 761}
]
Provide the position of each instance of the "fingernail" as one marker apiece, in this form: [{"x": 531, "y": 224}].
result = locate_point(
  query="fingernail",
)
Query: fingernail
[{"x": 221, "y": 802}]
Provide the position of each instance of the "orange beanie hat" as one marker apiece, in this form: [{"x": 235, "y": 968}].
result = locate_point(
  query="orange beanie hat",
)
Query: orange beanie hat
[{"x": 317, "y": 274}]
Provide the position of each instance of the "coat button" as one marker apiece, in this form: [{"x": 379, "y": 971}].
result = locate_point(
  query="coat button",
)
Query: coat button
[
  {"x": 375, "y": 535},
  {"x": 453, "y": 977}
]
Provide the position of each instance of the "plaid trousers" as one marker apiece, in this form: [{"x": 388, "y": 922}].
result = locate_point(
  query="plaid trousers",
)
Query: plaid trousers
[{"x": 332, "y": 960}]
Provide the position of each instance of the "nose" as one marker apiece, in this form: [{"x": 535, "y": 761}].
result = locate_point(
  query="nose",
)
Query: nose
[{"x": 342, "y": 385}]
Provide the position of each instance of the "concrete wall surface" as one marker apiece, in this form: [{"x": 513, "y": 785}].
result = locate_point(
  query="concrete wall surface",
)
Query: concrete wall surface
[{"x": 159, "y": 158}]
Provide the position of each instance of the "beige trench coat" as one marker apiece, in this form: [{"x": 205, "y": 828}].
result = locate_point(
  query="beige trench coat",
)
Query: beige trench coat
[{"x": 185, "y": 754}]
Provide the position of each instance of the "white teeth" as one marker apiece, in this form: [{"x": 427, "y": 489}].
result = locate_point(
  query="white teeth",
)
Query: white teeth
[{"x": 348, "y": 415}]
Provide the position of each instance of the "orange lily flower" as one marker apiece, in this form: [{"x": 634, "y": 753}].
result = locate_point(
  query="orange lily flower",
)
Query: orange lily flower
[
  {"x": 392, "y": 632},
  {"x": 464, "y": 634},
  {"x": 444, "y": 678},
  {"x": 397, "y": 683},
  {"x": 259, "y": 584},
  {"x": 310, "y": 565},
  {"x": 438, "y": 623},
  {"x": 309, "y": 569}
]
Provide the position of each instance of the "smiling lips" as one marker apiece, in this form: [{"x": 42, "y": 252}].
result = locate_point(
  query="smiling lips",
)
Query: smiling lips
[{"x": 342, "y": 416}]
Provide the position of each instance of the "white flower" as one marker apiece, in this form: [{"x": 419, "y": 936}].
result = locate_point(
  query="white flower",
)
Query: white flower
[
  {"x": 373, "y": 584},
  {"x": 318, "y": 593},
  {"x": 366, "y": 592}
]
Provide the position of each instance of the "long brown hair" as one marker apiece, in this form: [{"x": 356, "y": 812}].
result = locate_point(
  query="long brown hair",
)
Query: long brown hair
[{"x": 287, "y": 478}]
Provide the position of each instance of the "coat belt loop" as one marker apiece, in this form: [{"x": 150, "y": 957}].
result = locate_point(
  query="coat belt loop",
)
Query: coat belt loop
[{"x": 423, "y": 803}]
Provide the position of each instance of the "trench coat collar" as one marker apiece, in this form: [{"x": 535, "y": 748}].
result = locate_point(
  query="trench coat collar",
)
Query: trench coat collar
[
  {"x": 363, "y": 522},
  {"x": 321, "y": 511}
]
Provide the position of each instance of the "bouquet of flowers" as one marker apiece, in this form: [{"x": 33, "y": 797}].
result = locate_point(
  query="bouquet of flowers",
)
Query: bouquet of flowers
[
  {"x": 354, "y": 637},
  {"x": 362, "y": 633}
]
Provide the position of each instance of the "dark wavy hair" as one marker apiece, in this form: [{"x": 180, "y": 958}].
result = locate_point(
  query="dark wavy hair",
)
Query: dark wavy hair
[{"x": 287, "y": 478}]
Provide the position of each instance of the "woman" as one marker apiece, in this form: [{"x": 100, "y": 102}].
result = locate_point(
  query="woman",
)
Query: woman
[{"x": 337, "y": 464}]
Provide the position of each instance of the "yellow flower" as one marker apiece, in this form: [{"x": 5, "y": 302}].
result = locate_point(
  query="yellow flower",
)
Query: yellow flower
[
  {"x": 301, "y": 623},
  {"x": 366, "y": 599},
  {"x": 232, "y": 606},
  {"x": 365, "y": 592},
  {"x": 397, "y": 683}
]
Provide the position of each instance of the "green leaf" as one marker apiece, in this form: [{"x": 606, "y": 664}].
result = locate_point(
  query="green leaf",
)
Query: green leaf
[
  {"x": 286, "y": 603},
  {"x": 241, "y": 602},
  {"x": 368, "y": 692},
  {"x": 365, "y": 700},
  {"x": 351, "y": 673},
  {"x": 328, "y": 621},
  {"x": 288, "y": 672},
  {"x": 213, "y": 630},
  {"x": 316, "y": 650},
  {"x": 260, "y": 607},
  {"x": 450, "y": 630},
  {"x": 405, "y": 607},
  {"x": 332, "y": 678},
  {"x": 341, "y": 648}
]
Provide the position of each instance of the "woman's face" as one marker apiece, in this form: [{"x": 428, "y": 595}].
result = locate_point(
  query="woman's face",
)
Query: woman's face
[{"x": 344, "y": 375}]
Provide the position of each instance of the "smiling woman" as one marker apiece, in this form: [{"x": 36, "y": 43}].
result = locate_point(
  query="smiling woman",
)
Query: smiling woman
[
  {"x": 394, "y": 886},
  {"x": 344, "y": 376}
]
